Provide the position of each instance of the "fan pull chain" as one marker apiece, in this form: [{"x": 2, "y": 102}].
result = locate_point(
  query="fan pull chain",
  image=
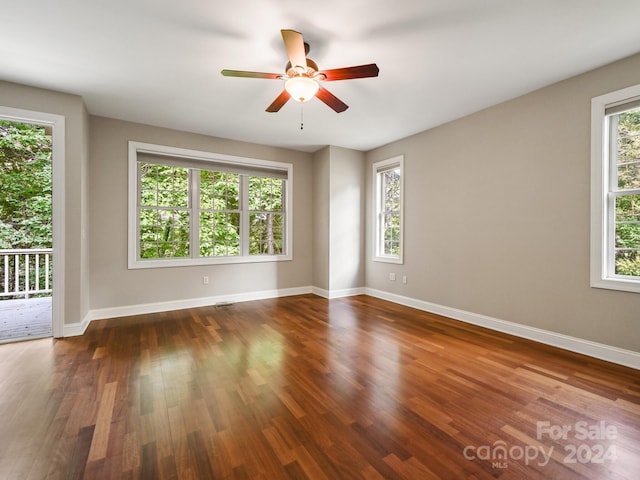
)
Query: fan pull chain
[{"x": 301, "y": 116}]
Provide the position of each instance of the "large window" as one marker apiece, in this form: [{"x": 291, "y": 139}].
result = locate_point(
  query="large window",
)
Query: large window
[
  {"x": 388, "y": 186},
  {"x": 188, "y": 207},
  {"x": 615, "y": 247}
]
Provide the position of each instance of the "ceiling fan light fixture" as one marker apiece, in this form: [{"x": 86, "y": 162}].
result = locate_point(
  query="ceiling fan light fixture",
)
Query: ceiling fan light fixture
[
  {"x": 302, "y": 76},
  {"x": 301, "y": 89}
]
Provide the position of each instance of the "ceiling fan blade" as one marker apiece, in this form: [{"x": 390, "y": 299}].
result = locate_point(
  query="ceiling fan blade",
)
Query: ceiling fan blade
[
  {"x": 294, "y": 44},
  {"x": 347, "y": 73},
  {"x": 279, "y": 102},
  {"x": 331, "y": 100},
  {"x": 242, "y": 73}
]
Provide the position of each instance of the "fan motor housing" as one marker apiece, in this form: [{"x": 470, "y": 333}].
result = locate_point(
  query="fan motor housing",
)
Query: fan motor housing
[{"x": 312, "y": 68}]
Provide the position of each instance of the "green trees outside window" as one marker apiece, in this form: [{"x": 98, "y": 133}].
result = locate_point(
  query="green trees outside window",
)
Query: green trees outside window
[
  {"x": 219, "y": 214},
  {"x": 266, "y": 216},
  {"x": 164, "y": 211},
  {"x": 172, "y": 197}
]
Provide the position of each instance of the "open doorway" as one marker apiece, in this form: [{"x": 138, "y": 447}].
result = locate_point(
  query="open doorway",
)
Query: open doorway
[{"x": 28, "y": 230}]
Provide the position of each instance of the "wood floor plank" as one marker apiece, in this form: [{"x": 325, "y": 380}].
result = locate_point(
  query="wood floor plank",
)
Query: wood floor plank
[
  {"x": 78, "y": 463},
  {"x": 103, "y": 423},
  {"x": 309, "y": 388}
]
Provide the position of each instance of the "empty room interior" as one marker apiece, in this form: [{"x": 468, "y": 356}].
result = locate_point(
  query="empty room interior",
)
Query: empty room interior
[{"x": 328, "y": 240}]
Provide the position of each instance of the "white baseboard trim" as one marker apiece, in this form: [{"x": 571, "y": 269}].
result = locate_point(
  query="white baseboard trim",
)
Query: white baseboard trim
[
  {"x": 601, "y": 351},
  {"x": 346, "y": 292},
  {"x": 76, "y": 329}
]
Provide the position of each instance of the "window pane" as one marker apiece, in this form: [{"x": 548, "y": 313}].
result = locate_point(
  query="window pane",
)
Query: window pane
[
  {"x": 391, "y": 189},
  {"x": 164, "y": 233},
  {"x": 266, "y": 222},
  {"x": 266, "y": 233},
  {"x": 628, "y": 263},
  {"x": 206, "y": 190},
  {"x": 147, "y": 176},
  {"x": 266, "y": 194},
  {"x": 629, "y": 176},
  {"x": 628, "y": 158},
  {"x": 628, "y": 236},
  {"x": 219, "y": 234},
  {"x": 628, "y": 208},
  {"x": 219, "y": 190},
  {"x": 219, "y": 214},
  {"x": 627, "y": 244},
  {"x": 391, "y": 234},
  {"x": 172, "y": 186},
  {"x": 162, "y": 185},
  {"x": 163, "y": 213},
  {"x": 390, "y": 208}
]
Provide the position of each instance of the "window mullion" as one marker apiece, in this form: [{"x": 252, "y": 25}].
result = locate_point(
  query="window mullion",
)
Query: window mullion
[
  {"x": 244, "y": 215},
  {"x": 622, "y": 193},
  {"x": 194, "y": 212},
  {"x": 611, "y": 233},
  {"x": 138, "y": 249},
  {"x": 380, "y": 224},
  {"x": 611, "y": 180}
]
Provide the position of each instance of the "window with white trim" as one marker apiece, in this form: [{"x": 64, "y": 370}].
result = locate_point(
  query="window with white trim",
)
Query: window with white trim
[
  {"x": 615, "y": 222},
  {"x": 388, "y": 187},
  {"x": 192, "y": 208}
]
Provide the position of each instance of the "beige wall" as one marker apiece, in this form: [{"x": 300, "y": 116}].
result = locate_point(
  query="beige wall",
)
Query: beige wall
[
  {"x": 346, "y": 225},
  {"x": 113, "y": 285},
  {"x": 497, "y": 214},
  {"x": 76, "y": 247},
  {"x": 338, "y": 220},
  {"x": 321, "y": 218}
]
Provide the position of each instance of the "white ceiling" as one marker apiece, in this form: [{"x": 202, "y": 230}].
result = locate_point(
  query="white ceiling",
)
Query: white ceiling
[{"x": 158, "y": 61}]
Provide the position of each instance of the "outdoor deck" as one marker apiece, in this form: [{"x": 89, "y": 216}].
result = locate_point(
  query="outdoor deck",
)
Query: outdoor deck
[{"x": 25, "y": 319}]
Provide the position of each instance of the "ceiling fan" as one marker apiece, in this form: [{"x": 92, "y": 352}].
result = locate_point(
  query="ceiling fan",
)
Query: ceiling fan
[{"x": 302, "y": 75}]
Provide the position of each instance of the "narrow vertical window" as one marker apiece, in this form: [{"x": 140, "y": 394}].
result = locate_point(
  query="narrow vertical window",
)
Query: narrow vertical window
[
  {"x": 624, "y": 192},
  {"x": 615, "y": 219},
  {"x": 388, "y": 185}
]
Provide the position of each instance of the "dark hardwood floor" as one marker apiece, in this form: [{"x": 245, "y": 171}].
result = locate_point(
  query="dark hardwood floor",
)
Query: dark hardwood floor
[{"x": 303, "y": 387}]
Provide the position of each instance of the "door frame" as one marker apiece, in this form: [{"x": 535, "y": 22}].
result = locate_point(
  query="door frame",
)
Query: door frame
[{"x": 57, "y": 125}]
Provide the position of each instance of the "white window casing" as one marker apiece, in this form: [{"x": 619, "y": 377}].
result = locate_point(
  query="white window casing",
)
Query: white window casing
[
  {"x": 194, "y": 161},
  {"x": 389, "y": 211},
  {"x": 604, "y": 188}
]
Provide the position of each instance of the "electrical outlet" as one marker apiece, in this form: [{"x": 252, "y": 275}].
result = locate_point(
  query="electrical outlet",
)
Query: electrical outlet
[
  {"x": 205, "y": 280},
  {"x": 404, "y": 279},
  {"x": 392, "y": 277}
]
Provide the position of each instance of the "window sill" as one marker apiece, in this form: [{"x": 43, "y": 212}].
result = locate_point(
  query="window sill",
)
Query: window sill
[
  {"x": 189, "y": 262},
  {"x": 396, "y": 260},
  {"x": 620, "y": 284}
]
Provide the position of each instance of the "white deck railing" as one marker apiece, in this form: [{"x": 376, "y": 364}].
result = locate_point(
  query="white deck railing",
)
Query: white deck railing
[{"x": 25, "y": 272}]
